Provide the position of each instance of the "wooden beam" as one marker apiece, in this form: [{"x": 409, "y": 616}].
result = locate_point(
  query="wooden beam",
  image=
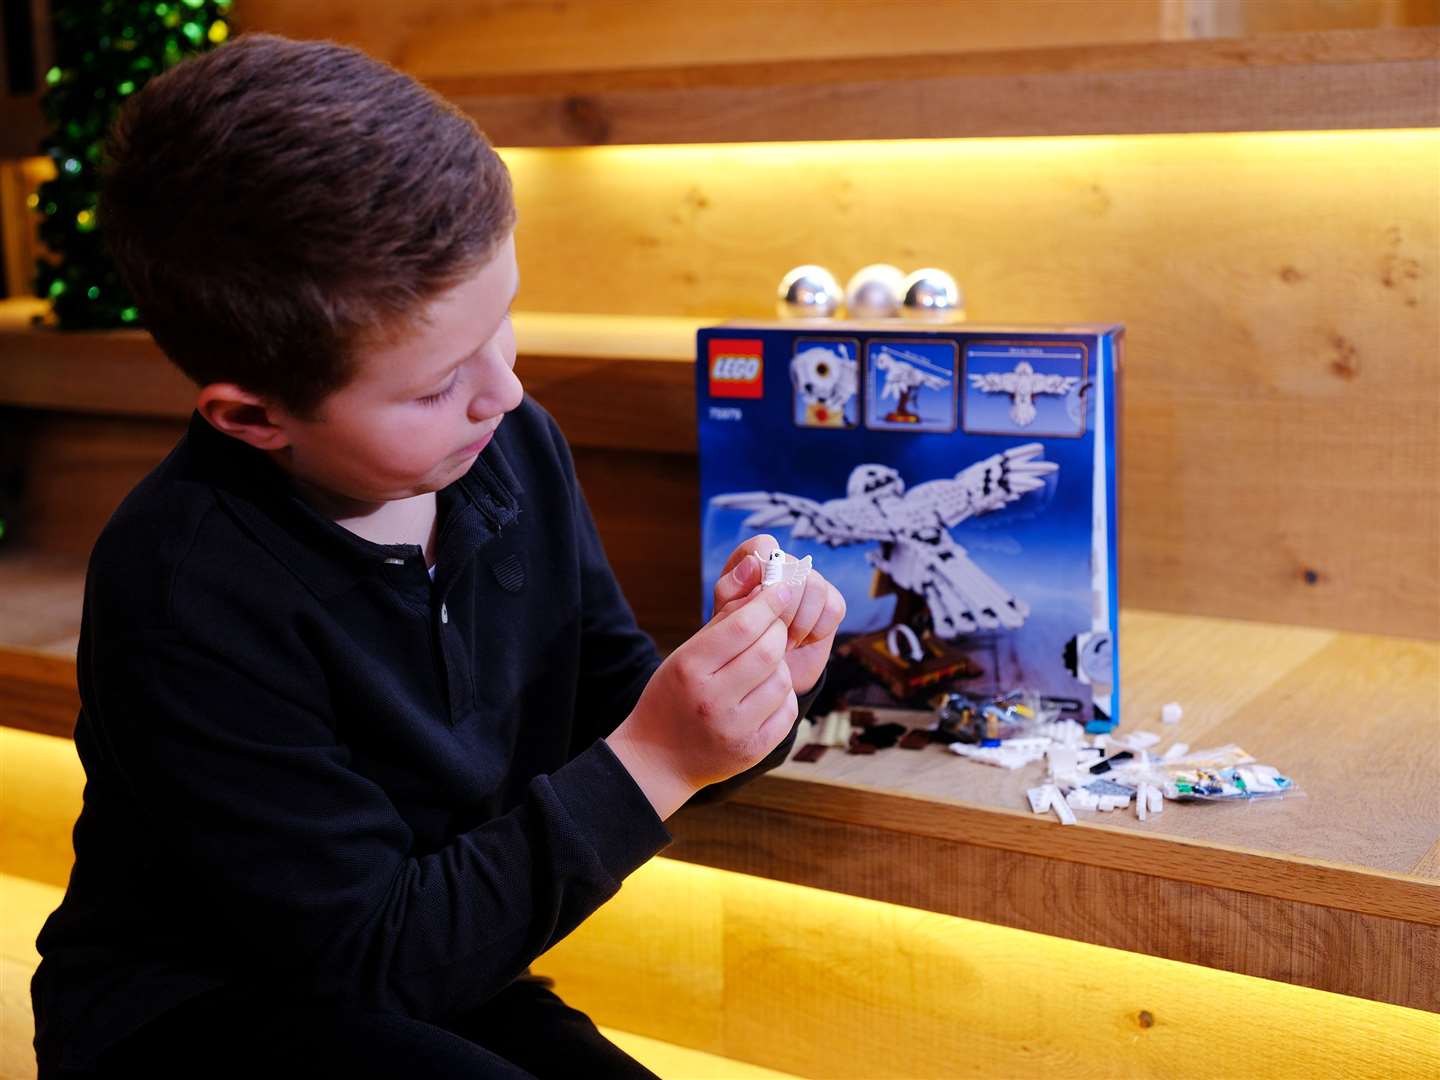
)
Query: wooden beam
[
  {"x": 1337, "y": 80},
  {"x": 22, "y": 125}
]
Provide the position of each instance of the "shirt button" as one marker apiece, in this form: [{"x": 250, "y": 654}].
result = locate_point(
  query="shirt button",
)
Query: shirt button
[{"x": 444, "y": 615}]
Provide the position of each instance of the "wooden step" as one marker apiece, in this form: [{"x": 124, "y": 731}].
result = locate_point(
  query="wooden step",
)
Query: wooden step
[
  {"x": 40, "y": 601},
  {"x": 26, "y": 904}
]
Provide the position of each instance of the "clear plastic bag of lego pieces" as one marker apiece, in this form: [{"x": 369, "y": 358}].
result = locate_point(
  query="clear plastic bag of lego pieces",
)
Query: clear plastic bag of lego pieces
[
  {"x": 990, "y": 721},
  {"x": 1249, "y": 781},
  {"x": 783, "y": 569}
]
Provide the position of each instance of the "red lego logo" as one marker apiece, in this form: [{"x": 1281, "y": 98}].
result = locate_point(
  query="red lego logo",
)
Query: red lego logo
[{"x": 737, "y": 368}]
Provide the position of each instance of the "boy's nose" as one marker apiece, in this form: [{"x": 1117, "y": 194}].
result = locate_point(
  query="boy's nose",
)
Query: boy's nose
[{"x": 501, "y": 393}]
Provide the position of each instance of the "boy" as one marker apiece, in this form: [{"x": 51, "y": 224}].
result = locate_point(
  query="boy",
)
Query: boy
[{"x": 366, "y": 722}]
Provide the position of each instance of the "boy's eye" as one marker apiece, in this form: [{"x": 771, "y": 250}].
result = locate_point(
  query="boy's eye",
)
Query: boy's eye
[{"x": 439, "y": 396}]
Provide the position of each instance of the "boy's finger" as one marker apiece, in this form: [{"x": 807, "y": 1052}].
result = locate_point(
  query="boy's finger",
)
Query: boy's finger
[
  {"x": 773, "y": 731},
  {"x": 831, "y": 615},
  {"x": 738, "y": 582},
  {"x": 723, "y": 640},
  {"x": 754, "y": 667},
  {"x": 812, "y": 606},
  {"x": 759, "y": 546},
  {"x": 734, "y": 605}
]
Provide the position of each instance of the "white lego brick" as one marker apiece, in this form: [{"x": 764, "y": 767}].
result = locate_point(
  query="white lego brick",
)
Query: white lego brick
[
  {"x": 1136, "y": 740},
  {"x": 1177, "y": 751},
  {"x": 1156, "y": 799},
  {"x": 1039, "y": 799},
  {"x": 1010, "y": 754},
  {"x": 1142, "y": 801},
  {"x": 1061, "y": 807},
  {"x": 1062, "y": 760}
]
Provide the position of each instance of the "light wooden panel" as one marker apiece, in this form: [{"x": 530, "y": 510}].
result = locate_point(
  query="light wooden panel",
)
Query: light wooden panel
[
  {"x": 32, "y": 695},
  {"x": 1260, "y": 478},
  {"x": 41, "y": 784},
  {"x": 667, "y": 1060},
  {"x": 1231, "y": 929},
  {"x": 110, "y": 372},
  {"x": 442, "y": 37},
  {"x": 1279, "y": 291},
  {"x": 22, "y": 125},
  {"x": 1302, "y": 82},
  {"x": 822, "y": 984},
  {"x": 1288, "y": 16},
  {"x": 79, "y": 468},
  {"x": 20, "y": 180},
  {"x": 1279, "y": 692}
]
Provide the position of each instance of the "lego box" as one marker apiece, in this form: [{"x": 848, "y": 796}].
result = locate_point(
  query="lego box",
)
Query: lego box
[{"x": 957, "y": 483}]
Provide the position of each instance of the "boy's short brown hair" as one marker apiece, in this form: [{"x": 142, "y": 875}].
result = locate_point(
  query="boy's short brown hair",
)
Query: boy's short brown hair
[{"x": 274, "y": 204}]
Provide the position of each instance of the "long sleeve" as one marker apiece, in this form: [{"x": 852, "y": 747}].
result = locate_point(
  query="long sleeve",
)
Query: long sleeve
[
  {"x": 302, "y": 865},
  {"x": 617, "y": 658}
]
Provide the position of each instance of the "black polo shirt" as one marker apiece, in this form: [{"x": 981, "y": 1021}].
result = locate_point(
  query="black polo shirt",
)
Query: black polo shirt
[{"x": 310, "y": 766}]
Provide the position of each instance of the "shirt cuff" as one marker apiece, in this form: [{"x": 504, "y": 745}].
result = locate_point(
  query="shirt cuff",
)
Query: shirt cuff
[
  {"x": 610, "y": 810},
  {"x": 807, "y": 699}
]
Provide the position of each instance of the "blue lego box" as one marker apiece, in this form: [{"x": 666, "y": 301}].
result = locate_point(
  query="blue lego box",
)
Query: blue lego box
[{"x": 957, "y": 483}]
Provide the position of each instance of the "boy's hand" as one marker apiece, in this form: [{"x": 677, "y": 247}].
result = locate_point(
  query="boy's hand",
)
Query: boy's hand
[
  {"x": 716, "y": 706},
  {"x": 817, "y": 617}
]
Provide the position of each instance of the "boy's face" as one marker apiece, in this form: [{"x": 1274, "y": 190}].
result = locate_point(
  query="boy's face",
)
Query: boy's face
[{"x": 421, "y": 407}]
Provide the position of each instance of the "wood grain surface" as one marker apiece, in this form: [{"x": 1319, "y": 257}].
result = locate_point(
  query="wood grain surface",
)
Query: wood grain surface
[
  {"x": 827, "y": 985},
  {"x": 1341, "y": 80},
  {"x": 1271, "y": 488},
  {"x": 1211, "y": 923},
  {"x": 1351, "y": 718},
  {"x": 432, "y": 38}
]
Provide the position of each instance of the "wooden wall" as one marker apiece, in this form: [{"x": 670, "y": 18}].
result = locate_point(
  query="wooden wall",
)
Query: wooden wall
[
  {"x": 1280, "y": 450},
  {"x": 440, "y": 37}
]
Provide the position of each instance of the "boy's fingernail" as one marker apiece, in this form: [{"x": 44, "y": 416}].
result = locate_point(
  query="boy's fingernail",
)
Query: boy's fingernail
[{"x": 744, "y": 571}]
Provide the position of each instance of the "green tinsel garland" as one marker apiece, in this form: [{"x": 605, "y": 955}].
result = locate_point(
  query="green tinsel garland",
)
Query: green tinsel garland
[{"x": 104, "y": 52}]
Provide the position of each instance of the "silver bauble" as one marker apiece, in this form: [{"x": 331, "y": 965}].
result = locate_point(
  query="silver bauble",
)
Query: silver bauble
[
  {"x": 931, "y": 295},
  {"x": 808, "y": 292},
  {"x": 874, "y": 292}
]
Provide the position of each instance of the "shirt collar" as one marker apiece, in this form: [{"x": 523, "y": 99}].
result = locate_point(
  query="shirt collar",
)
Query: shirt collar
[{"x": 328, "y": 557}]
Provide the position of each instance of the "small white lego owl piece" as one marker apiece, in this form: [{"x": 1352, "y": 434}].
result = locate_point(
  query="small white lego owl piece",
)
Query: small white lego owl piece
[{"x": 782, "y": 569}]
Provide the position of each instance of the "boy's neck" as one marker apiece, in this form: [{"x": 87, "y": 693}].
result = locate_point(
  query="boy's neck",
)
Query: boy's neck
[{"x": 399, "y": 521}]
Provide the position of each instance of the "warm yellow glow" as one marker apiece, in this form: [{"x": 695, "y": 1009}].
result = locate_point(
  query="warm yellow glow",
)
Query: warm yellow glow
[
  {"x": 806, "y": 980},
  {"x": 1168, "y": 233},
  {"x": 40, "y": 794},
  {"x": 823, "y": 984},
  {"x": 1047, "y": 148}
]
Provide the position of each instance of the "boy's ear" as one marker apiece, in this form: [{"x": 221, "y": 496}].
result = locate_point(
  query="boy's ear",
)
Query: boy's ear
[{"x": 235, "y": 411}]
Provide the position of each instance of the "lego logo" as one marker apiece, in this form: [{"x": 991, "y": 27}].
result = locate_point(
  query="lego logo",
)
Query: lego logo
[{"x": 736, "y": 368}]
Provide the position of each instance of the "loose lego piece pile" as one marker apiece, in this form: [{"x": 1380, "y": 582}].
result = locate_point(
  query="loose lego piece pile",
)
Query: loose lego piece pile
[{"x": 1099, "y": 772}]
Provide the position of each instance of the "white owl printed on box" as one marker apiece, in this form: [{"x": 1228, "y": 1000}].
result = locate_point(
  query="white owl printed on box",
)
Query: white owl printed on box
[{"x": 824, "y": 374}]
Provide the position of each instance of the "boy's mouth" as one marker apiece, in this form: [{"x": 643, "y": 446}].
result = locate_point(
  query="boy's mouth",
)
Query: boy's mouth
[{"x": 476, "y": 447}]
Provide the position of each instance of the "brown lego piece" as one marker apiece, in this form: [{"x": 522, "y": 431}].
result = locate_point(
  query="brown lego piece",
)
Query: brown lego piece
[
  {"x": 906, "y": 680},
  {"x": 915, "y": 739},
  {"x": 811, "y": 753}
]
